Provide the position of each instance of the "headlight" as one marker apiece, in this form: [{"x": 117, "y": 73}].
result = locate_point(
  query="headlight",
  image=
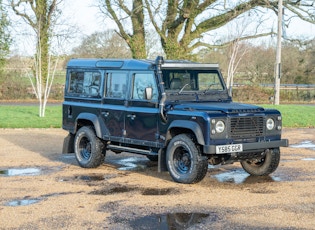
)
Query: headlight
[
  {"x": 270, "y": 124},
  {"x": 219, "y": 126}
]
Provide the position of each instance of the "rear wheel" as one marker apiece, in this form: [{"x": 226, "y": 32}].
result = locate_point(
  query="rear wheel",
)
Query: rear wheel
[
  {"x": 264, "y": 166},
  {"x": 184, "y": 160},
  {"x": 88, "y": 148}
]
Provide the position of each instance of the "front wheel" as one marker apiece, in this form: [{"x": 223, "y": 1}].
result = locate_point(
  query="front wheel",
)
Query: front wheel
[
  {"x": 88, "y": 148},
  {"x": 184, "y": 160},
  {"x": 264, "y": 166}
]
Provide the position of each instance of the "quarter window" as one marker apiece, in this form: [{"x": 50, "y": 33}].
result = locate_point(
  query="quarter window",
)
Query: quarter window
[{"x": 85, "y": 83}]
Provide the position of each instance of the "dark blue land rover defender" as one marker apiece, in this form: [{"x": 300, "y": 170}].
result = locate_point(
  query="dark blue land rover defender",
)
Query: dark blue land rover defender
[{"x": 178, "y": 113}]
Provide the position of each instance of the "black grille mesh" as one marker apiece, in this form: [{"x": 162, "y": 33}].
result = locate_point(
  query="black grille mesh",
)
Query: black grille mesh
[{"x": 245, "y": 127}]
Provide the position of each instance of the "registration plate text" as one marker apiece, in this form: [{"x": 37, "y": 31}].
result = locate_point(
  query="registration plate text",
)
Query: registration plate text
[{"x": 220, "y": 149}]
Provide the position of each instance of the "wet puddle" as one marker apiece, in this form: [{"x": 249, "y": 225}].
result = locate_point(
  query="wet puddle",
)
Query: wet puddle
[
  {"x": 32, "y": 171},
  {"x": 158, "y": 191},
  {"x": 20, "y": 172},
  {"x": 91, "y": 177},
  {"x": 133, "y": 164},
  {"x": 172, "y": 221},
  {"x": 305, "y": 144},
  {"x": 124, "y": 189},
  {"x": 308, "y": 159},
  {"x": 239, "y": 176},
  {"x": 22, "y": 202},
  {"x": 112, "y": 190}
]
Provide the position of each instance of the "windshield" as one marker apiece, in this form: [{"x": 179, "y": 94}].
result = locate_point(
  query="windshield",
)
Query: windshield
[{"x": 193, "y": 84}]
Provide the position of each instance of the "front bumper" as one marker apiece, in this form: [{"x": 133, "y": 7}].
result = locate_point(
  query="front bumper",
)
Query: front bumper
[{"x": 252, "y": 147}]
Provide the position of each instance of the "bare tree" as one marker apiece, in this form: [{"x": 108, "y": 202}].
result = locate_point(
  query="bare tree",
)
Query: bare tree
[
  {"x": 5, "y": 37},
  {"x": 135, "y": 38},
  {"x": 40, "y": 15},
  {"x": 106, "y": 44},
  {"x": 236, "y": 47},
  {"x": 182, "y": 25}
]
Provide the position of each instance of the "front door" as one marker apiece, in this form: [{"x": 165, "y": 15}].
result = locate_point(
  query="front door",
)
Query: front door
[{"x": 141, "y": 118}]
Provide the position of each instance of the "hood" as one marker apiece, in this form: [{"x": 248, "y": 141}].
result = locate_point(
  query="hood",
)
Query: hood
[{"x": 230, "y": 107}]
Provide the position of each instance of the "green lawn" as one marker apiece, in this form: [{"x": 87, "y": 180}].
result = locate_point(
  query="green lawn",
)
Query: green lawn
[
  {"x": 15, "y": 116},
  {"x": 296, "y": 116}
]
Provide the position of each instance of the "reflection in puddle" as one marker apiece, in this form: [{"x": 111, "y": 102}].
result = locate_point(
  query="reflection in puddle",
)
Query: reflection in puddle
[
  {"x": 22, "y": 202},
  {"x": 174, "y": 221},
  {"x": 132, "y": 163},
  {"x": 304, "y": 144},
  {"x": 21, "y": 172},
  {"x": 68, "y": 156},
  {"x": 240, "y": 176},
  {"x": 308, "y": 159}
]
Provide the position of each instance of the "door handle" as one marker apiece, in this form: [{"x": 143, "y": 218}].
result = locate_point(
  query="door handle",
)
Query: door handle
[
  {"x": 131, "y": 116},
  {"x": 69, "y": 111},
  {"x": 105, "y": 114}
]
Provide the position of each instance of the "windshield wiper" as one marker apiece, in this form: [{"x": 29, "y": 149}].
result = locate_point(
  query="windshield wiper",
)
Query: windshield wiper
[
  {"x": 210, "y": 87},
  {"x": 181, "y": 90}
]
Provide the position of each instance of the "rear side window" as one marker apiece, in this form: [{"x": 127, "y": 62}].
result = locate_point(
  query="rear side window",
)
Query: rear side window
[
  {"x": 85, "y": 83},
  {"x": 116, "y": 86}
]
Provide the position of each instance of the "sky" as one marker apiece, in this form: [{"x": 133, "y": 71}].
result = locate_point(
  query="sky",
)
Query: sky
[{"x": 87, "y": 17}]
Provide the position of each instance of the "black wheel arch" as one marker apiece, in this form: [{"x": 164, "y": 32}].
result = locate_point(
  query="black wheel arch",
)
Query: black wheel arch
[
  {"x": 90, "y": 119},
  {"x": 184, "y": 126}
]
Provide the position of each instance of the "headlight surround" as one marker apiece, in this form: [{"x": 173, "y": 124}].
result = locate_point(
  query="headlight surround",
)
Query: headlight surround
[
  {"x": 270, "y": 124},
  {"x": 219, "y": 126}
]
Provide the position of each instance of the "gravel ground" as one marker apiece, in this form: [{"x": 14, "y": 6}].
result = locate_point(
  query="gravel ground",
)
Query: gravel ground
[{"x": 44, "y": 189}]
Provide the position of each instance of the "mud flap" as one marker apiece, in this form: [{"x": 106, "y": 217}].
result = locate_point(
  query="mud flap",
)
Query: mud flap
[
  {"x": 162, "y": 161},
  {"x": 68, "y": 144}
]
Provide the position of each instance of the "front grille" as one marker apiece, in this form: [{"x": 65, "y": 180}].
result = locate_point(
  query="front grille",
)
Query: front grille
[{"x": 246, "y": 127}]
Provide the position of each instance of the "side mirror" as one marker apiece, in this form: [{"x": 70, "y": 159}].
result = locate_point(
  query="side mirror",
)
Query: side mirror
[{"x": 148, "y": 93}]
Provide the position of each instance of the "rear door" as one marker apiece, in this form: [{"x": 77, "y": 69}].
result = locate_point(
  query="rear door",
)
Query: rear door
[{"x": 114, "y": 104}]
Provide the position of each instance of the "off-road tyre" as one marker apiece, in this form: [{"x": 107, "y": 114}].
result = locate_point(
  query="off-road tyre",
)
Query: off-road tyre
[
  {"x": 268, "y": 164},
  {"x": 184, "y": 160},
  {"x": 88, "y": 148}
]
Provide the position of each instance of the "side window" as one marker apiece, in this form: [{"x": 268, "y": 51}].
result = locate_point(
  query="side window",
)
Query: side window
[
  {"x": 116, "y": 86},
  {"x": 85, "y": 83},
  {"x": 142, "y": 81}
]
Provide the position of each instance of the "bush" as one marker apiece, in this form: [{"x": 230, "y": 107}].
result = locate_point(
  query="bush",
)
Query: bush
[{"x": 258, "y": 94}]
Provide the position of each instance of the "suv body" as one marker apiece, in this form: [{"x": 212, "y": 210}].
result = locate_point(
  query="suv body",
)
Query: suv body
[{"x": 178, "y": 113}]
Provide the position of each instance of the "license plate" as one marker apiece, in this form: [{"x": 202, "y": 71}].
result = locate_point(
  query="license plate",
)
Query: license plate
[{"x": 220, "y": 149}]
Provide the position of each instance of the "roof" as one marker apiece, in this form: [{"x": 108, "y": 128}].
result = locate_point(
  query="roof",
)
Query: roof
[{"x": 135, "y": 64}]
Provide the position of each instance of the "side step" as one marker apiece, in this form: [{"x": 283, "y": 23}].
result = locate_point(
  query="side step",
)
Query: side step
[{"x": 131, "y": 150}]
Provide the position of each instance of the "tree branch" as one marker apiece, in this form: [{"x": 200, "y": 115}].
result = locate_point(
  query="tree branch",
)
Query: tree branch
[
  {"x": 199, "y": 44},
  {"x": 117, "y": 21},
  {"x": 26, "y": 17}
]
